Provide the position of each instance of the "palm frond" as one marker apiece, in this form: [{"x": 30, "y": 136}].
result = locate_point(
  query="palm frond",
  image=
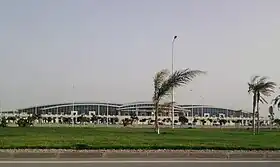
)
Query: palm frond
[
  {"x": 159, "y": 78},
  {"x": 262, "y": 100},
  {"x": 261, "y": 85},
  {"x": 266, "y": 88},
  {"x": 252, "y": 84},
  {"x": 276, "y": 100},
  {"x": 251, "y": 87},
  {"x": 178, "y": 78},
  {"x": 254, "y": 78},
  {"x": 261, "y": 80}
]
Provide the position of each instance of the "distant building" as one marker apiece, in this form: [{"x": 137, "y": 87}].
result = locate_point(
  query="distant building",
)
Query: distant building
[{"x": 142, "y": 110}]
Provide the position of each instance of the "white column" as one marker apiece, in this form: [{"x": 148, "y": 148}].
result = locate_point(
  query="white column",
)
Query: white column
[
  {"x": 192, "y": 113},
  {"x": 98, "y": 113}
]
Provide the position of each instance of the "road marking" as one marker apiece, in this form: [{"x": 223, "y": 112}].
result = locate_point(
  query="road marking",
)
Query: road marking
[{"x": 119, "y": 162}]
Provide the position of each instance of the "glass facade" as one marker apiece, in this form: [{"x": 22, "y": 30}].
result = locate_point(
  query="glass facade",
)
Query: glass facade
[
  {"x": 136, "y": 108},
  {"x": 81, "y": 108},
  {"x": 209, "y": 111}
]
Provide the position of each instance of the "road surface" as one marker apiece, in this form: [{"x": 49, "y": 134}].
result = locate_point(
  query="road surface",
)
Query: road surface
[{"x": 139, "y": 164}]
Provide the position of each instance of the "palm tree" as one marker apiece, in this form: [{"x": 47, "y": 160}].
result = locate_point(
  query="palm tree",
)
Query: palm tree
[
  {"x": 163, "y": 84},
  {"x": 271, "y": 116},
  {"x": 276, "y": 102},
  {"x": 259, "y": 87}
]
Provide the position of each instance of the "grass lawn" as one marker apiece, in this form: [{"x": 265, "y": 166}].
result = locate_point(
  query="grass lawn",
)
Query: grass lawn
[{"x": 136, "y": 138}]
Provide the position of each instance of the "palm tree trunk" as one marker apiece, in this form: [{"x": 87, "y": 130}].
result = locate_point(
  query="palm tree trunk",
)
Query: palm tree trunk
[
  {"x": 258, "y": 112},
  {"x": 270, "y": 122},
  {"x": 156, "y": 118},
  {"x": 258, "y": 118},
  {"x": 254, "y": 113}
]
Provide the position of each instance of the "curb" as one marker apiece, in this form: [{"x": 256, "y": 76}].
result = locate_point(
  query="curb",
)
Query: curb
[{"x": 264, "y": 155}]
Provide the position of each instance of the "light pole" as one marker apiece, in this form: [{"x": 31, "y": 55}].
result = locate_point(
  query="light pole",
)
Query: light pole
[
  {"x": 107, "y": 113},
  {"x": 192, "y": 107},
  {"x": 172, "y": 71},
  {"x": 73, "y": 106},
  {"x": 227, "y": 113},
  {"x": 202, "y": 99},
  {"x": 1, "y": 110},
  {"x": 73, "y": 103}
]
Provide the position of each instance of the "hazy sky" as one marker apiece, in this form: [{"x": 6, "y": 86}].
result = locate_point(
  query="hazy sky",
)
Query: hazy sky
[{"x": 111, "y": 49}]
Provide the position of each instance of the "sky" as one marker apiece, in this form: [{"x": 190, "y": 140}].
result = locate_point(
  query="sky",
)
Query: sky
[{"x": 110, "y": 50}]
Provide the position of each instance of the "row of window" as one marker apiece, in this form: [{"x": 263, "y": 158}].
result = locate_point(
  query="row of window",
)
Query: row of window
[{"x": 112, "y": 110}]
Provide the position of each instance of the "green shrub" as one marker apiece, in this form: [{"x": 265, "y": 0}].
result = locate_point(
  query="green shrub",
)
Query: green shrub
[
  {"x": 3, "y": 122},
  {"x": 24, "y": 122},
  {"x": 183, "y": 120},
  {"x": 126, "y": 122}
]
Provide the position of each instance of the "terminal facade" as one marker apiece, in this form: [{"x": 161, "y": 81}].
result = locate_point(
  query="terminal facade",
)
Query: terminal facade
[{"x": 112, "y": 113}]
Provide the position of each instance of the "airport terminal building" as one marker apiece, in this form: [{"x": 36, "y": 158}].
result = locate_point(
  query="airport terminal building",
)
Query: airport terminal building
[{"x": 144, "y": 111}]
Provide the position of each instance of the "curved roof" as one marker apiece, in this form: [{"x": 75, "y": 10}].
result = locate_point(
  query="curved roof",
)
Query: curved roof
[
  {"x": 139, "y": 104},
  {"x": 70, "y": 104}
]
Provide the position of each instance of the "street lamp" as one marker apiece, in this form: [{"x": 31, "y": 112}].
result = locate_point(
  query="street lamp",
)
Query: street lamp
[
  {"x": 107, "y": 113},
  {"x": 173, "y": 87},
  {"x": 73, "y": 105},
  {"x": 1, "y": 112},
  {"x": 73, "y": 102},
  {"x": 192, "y": 107},
  {"x": 202, "y": 104}
]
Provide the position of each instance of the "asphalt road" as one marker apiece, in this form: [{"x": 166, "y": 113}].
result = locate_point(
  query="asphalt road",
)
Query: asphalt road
[{"x": 141, "y": 164}]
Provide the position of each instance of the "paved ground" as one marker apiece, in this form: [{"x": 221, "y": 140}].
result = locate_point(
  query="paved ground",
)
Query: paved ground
[
  {"x": 130, "y": 154},
  {"x": 144, "y": 154},
  {"x": 141, "y": 164}
]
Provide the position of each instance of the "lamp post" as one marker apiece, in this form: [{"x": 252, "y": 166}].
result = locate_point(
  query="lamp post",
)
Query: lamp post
[
  {"x": 192, "y": 107},
  {"x": 36, "y": 109},
  {"x": 1, "y": 112},
  {"x": 73, "y": 103},
  {"x": 73, "y": 106},
  {"x": 202, "y": 105},
  {"x": 107, "y": 114},
  {"x": 172, "y": 71}
]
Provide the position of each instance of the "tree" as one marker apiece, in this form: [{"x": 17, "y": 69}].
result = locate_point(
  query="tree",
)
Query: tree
[
  {"x": 3, "y": 122},
  {"x": 143, "y": 120},
  {"x": 276, "y": 102},
  {"x": 127, "y": 122},
  {"x": 49, "y": 119},
  {"x": 37, "y": 117},
  {"x": 222, "y": 122},
  {"x": 163, "y": 84},
  {"x": 30, "y": 120},
  {"x": 271, "y": 116},
  {"x": 25, "y": 122},
  {"x": 259, "y": 87},
  {"x": 133, "y": 117},
  {"x": 94, "y": 119},
  {"x": 82, "y": 119},
  {"x": 239, "y": 121},
  {"x": 183, "y": 120},
  {"x": 194, "y": 121},
  {"x": 115, "y": 120},
  {"x": 277, "y": 122},
  {"x": 66, "y": 120},
  {"x": 210, "y": 120},
  {"x": 13, "y": 119},
  {"x": 203, "y": 121}
]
